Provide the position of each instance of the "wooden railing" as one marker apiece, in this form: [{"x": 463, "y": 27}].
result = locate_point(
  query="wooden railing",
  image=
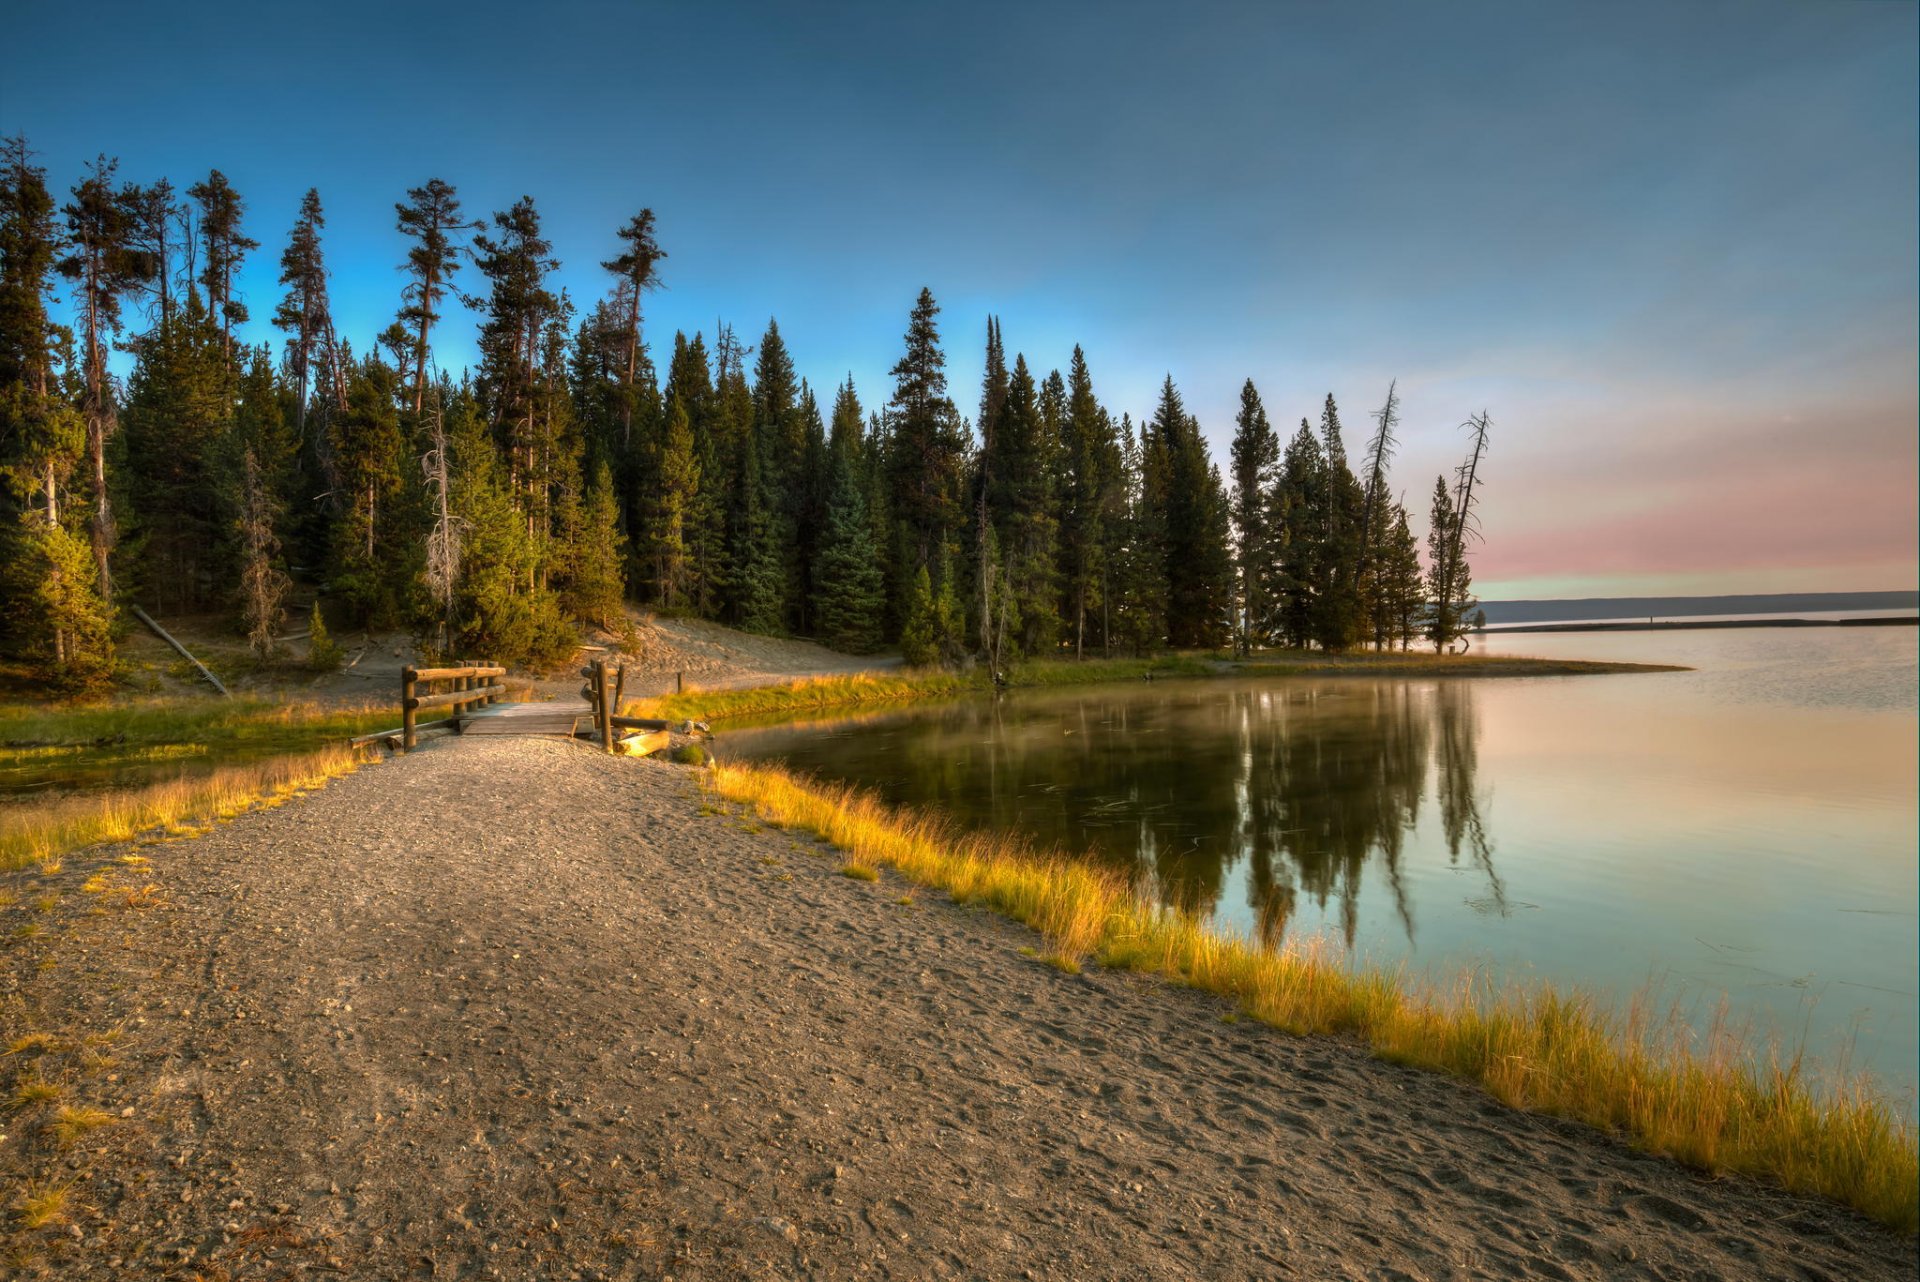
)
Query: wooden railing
[
  {"x": 472, "y": 686},
  {"x": 606, "y": 686}
]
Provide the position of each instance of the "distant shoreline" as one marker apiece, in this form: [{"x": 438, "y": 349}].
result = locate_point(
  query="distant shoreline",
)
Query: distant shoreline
[{"x": 1672, "y": 625}]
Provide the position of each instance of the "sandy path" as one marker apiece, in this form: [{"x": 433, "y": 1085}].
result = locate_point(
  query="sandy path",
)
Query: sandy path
[{"x": 573, "y": 1027}]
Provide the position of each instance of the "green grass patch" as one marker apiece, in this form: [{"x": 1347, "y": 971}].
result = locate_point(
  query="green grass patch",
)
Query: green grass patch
[{"x": 1719, "y": 1106}]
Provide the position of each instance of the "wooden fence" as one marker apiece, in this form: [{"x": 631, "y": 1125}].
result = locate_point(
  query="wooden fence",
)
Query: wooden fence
[{"x": 472, "y": 685}]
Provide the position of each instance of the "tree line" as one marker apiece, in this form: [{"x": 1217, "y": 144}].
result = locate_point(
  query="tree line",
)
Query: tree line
[{"x": 570, "y": 474}]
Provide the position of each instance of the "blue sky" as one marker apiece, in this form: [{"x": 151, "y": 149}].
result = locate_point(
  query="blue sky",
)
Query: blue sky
[{"x": 1671, "y": 248}]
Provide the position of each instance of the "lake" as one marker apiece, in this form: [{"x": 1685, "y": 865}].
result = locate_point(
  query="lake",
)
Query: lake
[{"x": 1743, "y": 834}]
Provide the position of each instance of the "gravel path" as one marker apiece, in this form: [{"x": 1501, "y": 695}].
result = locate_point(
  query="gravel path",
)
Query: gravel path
[{"x": 510, "y": 1008}]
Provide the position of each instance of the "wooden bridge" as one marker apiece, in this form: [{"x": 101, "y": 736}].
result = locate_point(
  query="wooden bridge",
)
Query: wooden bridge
[{"x": 474, "y": 694}]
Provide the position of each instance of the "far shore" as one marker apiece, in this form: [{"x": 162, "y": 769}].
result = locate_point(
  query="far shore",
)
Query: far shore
[{"x": 1677, "y": 625}]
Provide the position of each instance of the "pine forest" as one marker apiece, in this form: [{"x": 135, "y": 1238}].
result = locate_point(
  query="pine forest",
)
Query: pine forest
[{"x": 585, "y": 466}]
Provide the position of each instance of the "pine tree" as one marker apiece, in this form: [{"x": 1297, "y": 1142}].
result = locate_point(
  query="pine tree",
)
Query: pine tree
[
  {"x": 431, "y": 218},
  {"x": 849, "y": 593},
  {"x": 1372, "y": 571},
  {"x": 1198, "y": 566},
  {"x": 500, "y": 612},
  {"x": 516, "y": 262},
  {"x": 1089, "y": 475},
  {"x": 1023, "y": 508},
  {"x": 369, "y": 450},
  {"x": 1404, "y": 586},
  {"x": 1444, "y": 588},
  {"x": 55, "y": 620},
  {"x": 924, "y": 454},
  {"x": 676, "y": 482},
  {"x": 636, "y": 270},
  {"x": 919, "y": 643},
  {"x": 595, "y": 585},
  {"x": 179, "y": 407},
  {"x": 1299, "y": 520},
  {"x": 1256, "y": 460},
  {"x": 305, "y": 315},
  {"x": 225, "y": 247},
  {"x": 103, "y": 267},
  {"x": 1337, "y": 608}
]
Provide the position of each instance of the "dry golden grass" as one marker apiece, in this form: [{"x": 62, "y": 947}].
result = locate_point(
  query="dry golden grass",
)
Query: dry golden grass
[
  {"x": 1722, "y": 1108},
  {"x": 40, "y": 833},
  {"x": 70, "y": 1122},
  {"x": 40, "y": 1203},
  {"x": 33, "y": 1091}
]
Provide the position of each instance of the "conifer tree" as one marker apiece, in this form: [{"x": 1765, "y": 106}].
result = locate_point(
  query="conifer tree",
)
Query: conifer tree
[
  {"x": 369, "y": 450},
  {"x": 1256, "y": 460},
  {"x": 993, "y": 400},
  {"x": 304, "y": 313},
  {"x": 1403, "y": 584},
  {"x": 676, "y": 482},
  {"x": 595, "y": 585},
  {"x": 1198, "y": 568},
  {"x": 103, "y": 267},
  {"x": 431, "y": 218},
  {"x": 636, "y": 271},
  {"x": 924, "y": 452},
  {"x": 1444, "y": 587},
  {"x": 1023, "y": 509},
  {"x": 1337, "y": 616},
  {"x": 516, "y": 261},
  {"x": 849, "y": 593},
  {"x": 499, "y": 611},
  {"x": 225, "y": 247},
  {"x": 179, "y": 407},
  {"x": 1089, "y": 476},
  {"x": 56, "y": 620},
  {"x": 919, "y": 643},
  {"x": 1300, "y": 499},
  {"x": 154, "y": 239}
]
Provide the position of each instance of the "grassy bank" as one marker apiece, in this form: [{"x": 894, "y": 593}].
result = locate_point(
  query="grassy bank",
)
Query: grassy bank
[
  {"x": 44, "y": 830},
  {"x": 76, "y": 775},
  {"x": 818, "y": 694},
  {"x": 1719, "y": 1109}
]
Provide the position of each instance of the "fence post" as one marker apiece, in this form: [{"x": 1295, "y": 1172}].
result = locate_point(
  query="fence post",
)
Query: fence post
[
  {"x": 679, "y": 683},
  {"x": 407, "y": 736},
  {"x": 460, "y": 709},
  {"x": 600, "y": 711},
  {"x": 619, "y": 689},
  {"x": 490, "y": 700}
]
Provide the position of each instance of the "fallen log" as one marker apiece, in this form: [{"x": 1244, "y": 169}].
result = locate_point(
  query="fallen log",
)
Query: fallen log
[{"x": 164, "y": 635}]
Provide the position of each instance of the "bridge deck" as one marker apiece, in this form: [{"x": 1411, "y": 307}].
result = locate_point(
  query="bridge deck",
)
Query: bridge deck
[{"x": 531, "y": 719}]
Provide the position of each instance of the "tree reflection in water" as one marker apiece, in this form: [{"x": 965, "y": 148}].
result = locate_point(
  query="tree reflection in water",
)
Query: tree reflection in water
[{"x": 1305, "y": 782}]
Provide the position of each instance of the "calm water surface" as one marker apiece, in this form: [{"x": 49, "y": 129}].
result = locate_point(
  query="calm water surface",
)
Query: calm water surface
[{"x": 1744, "y": 832}]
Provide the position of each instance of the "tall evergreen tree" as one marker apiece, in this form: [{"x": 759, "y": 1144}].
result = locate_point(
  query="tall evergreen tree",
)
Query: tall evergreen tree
[
  {"x": 55, "y": 618},
  {"x": 431, "y": 219},
  {"x": 849, "y": 592},
  {"x": 103, "y": 267},
  {"x": 305, "y": 315},
  {"x": 924, "y": 454},
  {"x": 1299, "y": 522},
  {"x": 1256, "y": 460},
  {"x": 1024, "y": 513},
  {"x": 224, "y": 247},
  {"x": 1089, "y": 477},
  {"x": 1198, "y": 568},
  {"x": 516, "y": 261},
  {"x": 1337, "y": 614},
  {"x": 636, "y": 271}
]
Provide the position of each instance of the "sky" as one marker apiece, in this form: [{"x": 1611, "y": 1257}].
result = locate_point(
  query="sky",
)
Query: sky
[{"x": 1669, "y": 248}]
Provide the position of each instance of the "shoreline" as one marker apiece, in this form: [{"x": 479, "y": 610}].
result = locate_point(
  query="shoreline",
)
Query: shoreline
[
  {"x": 812, "y": 695},
  {"x": 1683, "y": 625}
]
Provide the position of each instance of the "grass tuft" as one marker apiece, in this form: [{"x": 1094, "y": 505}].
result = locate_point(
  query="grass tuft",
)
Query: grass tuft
[
  {"x": 860, "y": 872},
  {"x": 1720, "y": 1108},
  {"x": 40, "y": 1203},
  {"x": 33, "y": 1091},
  {"x": 70, "y": 1122}
]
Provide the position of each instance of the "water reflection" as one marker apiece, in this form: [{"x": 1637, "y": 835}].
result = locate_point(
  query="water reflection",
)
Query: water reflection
[{"x": 1304, "y": 784}]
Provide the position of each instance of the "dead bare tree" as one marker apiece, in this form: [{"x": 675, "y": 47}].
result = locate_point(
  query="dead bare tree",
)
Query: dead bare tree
[
  {"x": 263, "y": 585},
  {"x": 443, "y": 540},
  {"x": 1466, "y": 522}
]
